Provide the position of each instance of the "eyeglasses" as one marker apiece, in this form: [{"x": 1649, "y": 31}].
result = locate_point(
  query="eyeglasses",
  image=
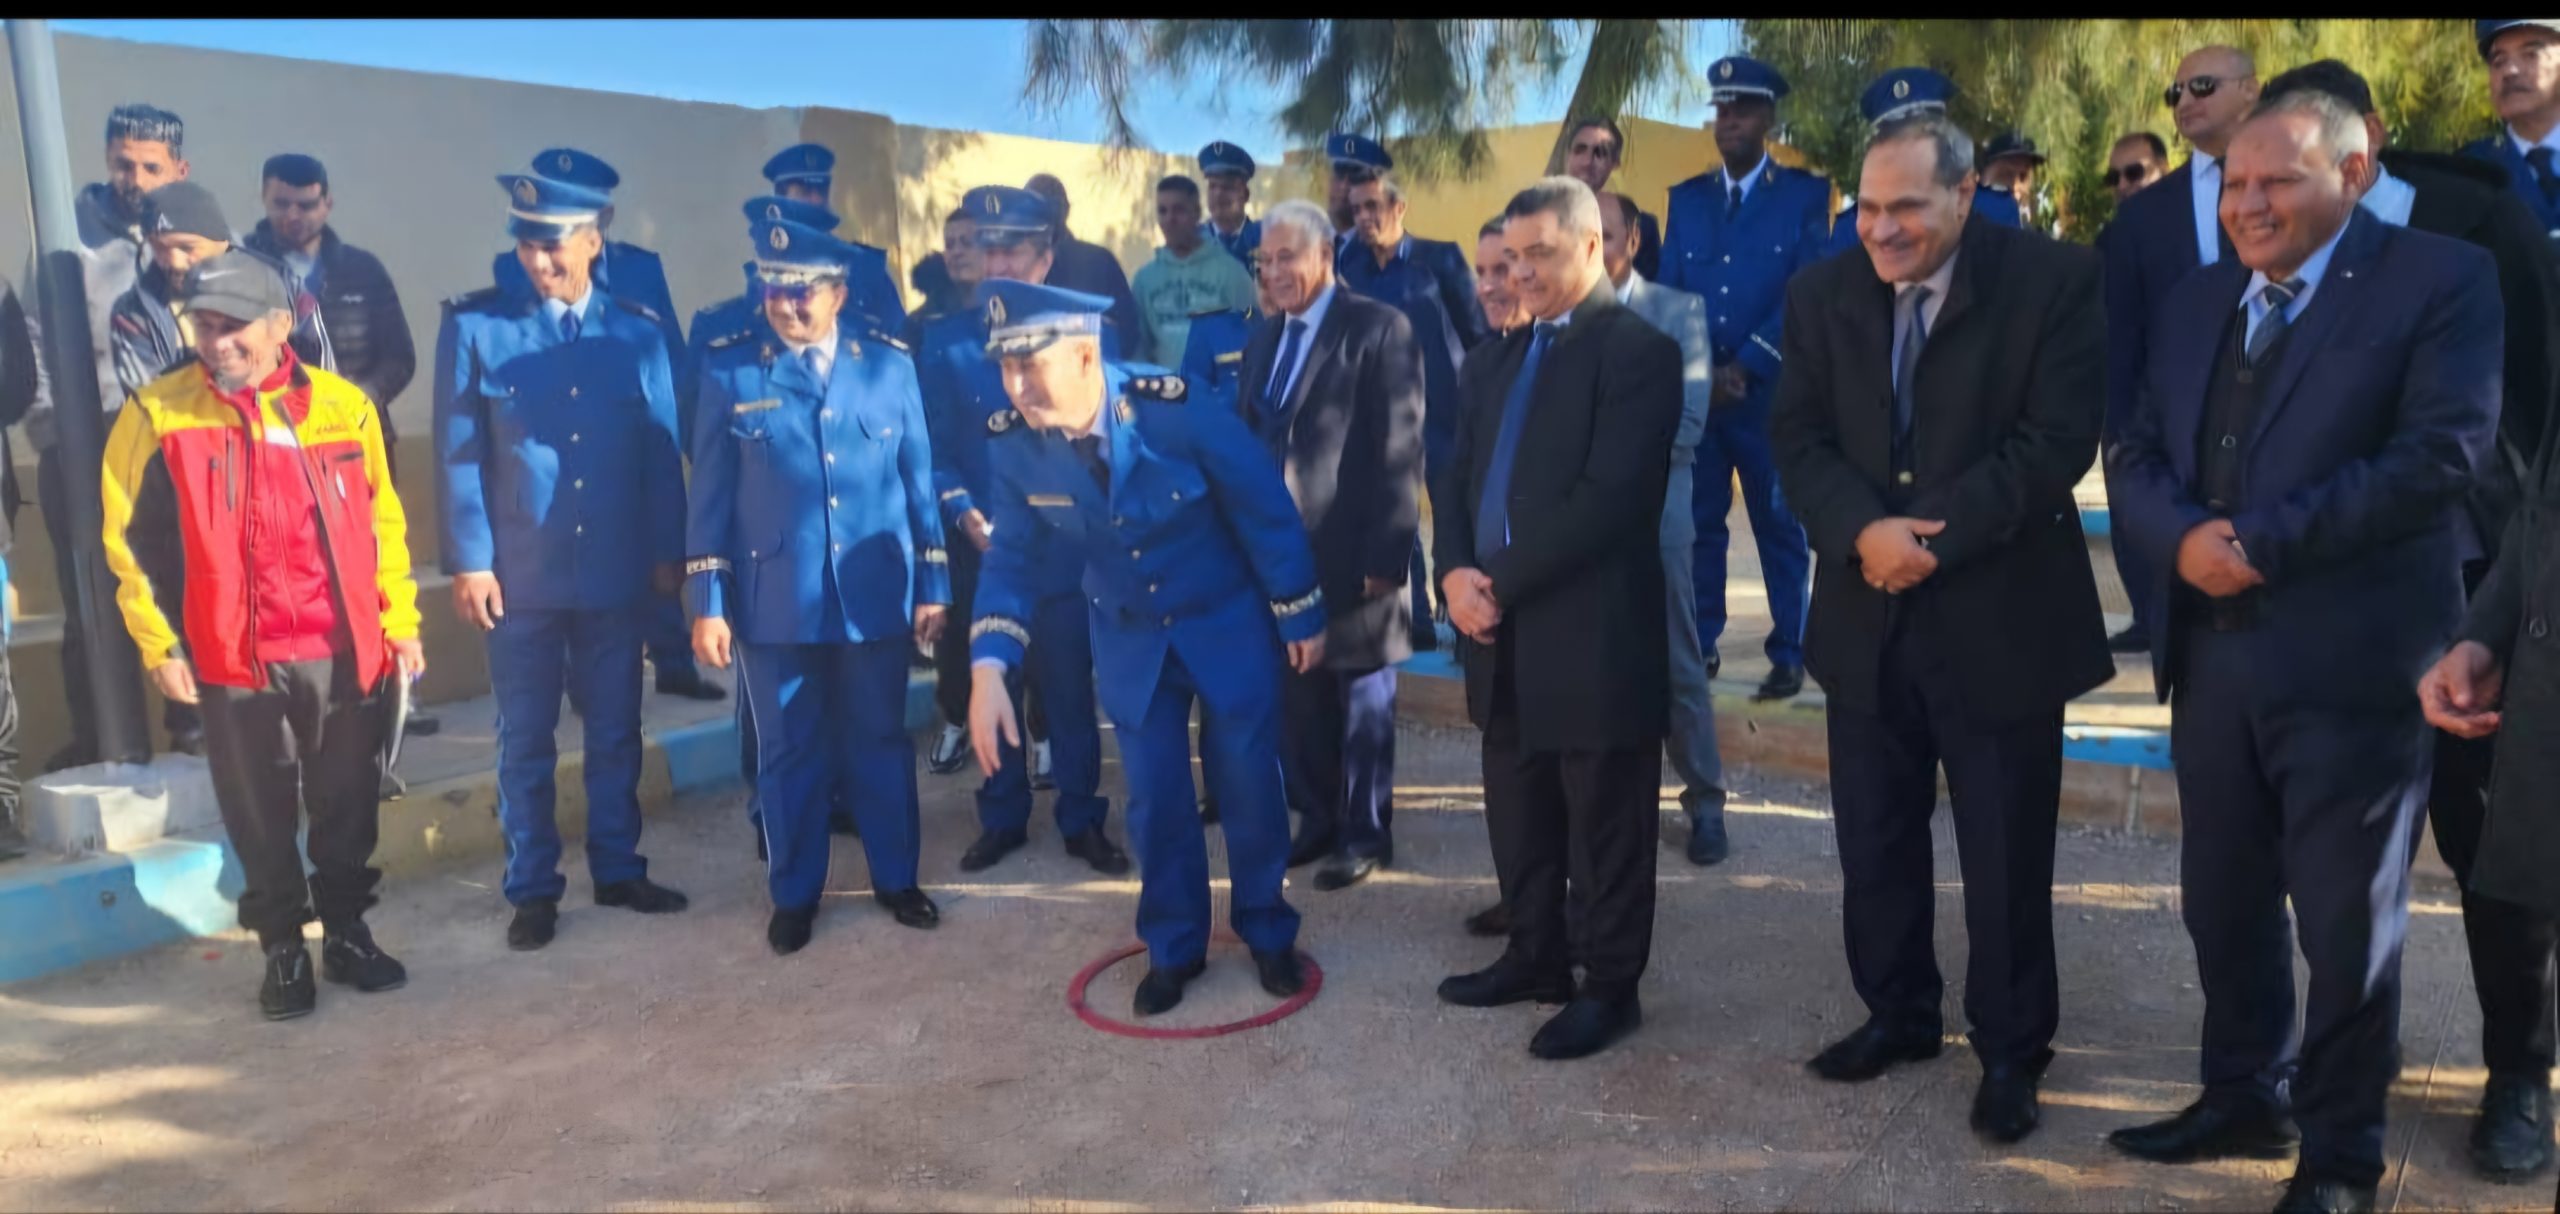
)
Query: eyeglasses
[
  {"x": 2198, "y": 87},
  {"x": 2131, "y": 174}
]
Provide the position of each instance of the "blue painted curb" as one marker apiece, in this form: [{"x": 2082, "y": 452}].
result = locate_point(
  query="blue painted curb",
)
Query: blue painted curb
[{"x": 2095, "y": 521}]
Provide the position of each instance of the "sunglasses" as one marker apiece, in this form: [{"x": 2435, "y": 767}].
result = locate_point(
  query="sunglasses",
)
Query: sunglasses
[
  {"x": 2131, "y": 174},
  {"x": 2198, "y": 87}
]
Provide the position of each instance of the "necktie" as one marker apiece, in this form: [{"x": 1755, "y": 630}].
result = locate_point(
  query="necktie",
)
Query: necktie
[
  {"x": 817, "y": 369},
  {"x": 1284, "y": 373},
  {"x": 569, "y": 325},
  {"x": 1732, "y": 200},
  {"x": 1493, "y": 509},
  {"x": 2540, "y": 159},
  {"x": 1089, "y": 449},
  {"x": 2272, "y": 325},
  {"x": 1914, "y": 324}
]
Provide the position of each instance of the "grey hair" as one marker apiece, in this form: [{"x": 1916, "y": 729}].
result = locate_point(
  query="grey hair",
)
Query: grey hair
[
  {"x": 2342, "y": 129},
  {"x": 1576, "y": 209},
  {"x": 1305, "y": 218},
  {"x": 1954, "y": 147}
]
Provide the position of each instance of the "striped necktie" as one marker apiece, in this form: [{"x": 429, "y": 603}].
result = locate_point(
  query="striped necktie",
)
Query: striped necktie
[{"x": 2272, "y": 326}]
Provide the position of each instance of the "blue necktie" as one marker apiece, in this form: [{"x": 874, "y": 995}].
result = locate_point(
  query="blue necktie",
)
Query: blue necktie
[
  {"x": 2544, "y": 173},
  {"x": 2273, "y": 324},
  {"x": 1493, "y": 509},
  {"x": 569, "y": 325},
  {"x": 1733, "y": 201},
  {"x": 817, "y": 370},
  {"x": 1284, "y": 373},
  {"x": 1906, "y": 361},
  {"x": 1089, "y": 449}
]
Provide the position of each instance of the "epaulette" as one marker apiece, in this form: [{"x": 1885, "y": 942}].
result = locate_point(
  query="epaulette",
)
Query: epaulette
[
  {"x": 726, "y": 340},
  {"x": 1169, "y": 388},
  {"x": 643, "y": 311},
  {"x": 1004, "y": 422},
  {"x": 886, "y": 338},
  {"x": 473, "y": 299}
]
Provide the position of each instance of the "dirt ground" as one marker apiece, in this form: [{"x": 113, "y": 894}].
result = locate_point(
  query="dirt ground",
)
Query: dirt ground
[{"x": 676, "y": 1064}]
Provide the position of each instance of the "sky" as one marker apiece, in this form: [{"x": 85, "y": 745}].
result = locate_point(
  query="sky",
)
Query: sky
[{"x": 964, "y": 75}]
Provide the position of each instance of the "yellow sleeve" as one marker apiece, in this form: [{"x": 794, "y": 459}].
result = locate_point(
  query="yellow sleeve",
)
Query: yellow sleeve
[
  {"x": 390, "y": 541},
  {"x": 131, "y": 447}
]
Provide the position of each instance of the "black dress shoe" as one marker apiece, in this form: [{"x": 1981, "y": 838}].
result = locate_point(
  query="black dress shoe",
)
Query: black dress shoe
[
  {"x": 910, "y": 906},
  {"x": 1309, "y": 847},
  {"x": 787, "y": 932},
  {"x": 689, "y": 684},
  {"x": 1508, "y": 980},
  {"x": 2132, "y": 640},
  {"x": 1161, "y": 989},
  {"x": 1587, "y": 1026},
  {"x": 533, "y": 925},
  {"x": 1098, "y": 852},
  {"x": 643, "y": 895},
  {"x": 1871, "y": 1050},
  {"x": 949, "y": 751},
  {"x": 1707, "y": 844},
  {"x": 991, "y": 846},
  {"x": 288, "y": 990},
  {"x": 421, "y": 724},
  {"x": 391, "y": 787},
  {"x": 1494, "y": 920},
  {"x": 2511, "y": 1140},
  {"x": 1342, "y": 870},
  {"x": 1280, "y": 972},
  {"x": 187, "y": 742},
  {"x": 348, "y": 957},
  {"x": 2004, "y": 1106},
  {"x": 2210, "y": 1129},
  {"x": 2310, "y": 1193},
  {"x": 1783, "y": 683}
]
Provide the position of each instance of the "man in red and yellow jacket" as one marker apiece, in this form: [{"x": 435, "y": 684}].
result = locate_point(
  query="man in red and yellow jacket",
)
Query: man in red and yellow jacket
[{"x": 262, "y": 564}]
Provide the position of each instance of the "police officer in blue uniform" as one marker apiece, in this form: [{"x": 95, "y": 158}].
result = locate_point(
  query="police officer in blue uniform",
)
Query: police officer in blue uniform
[
  {"x": 803, "y": 172},
  {"x": 1229, "y": 172},
  {"x": 963, "y": 389},
  {"x": 1197, "y": 574},
  {"x": 563, "y": 510},
  {"x": 1735, "y": 236},
  {"x": 1351, "y": 157},
  {"x": 1910, "y": 90},
  {"x": 816, "y": 560},
  {"x": 2532, "y": 163},
  {"x": 1213, "y": 356}
]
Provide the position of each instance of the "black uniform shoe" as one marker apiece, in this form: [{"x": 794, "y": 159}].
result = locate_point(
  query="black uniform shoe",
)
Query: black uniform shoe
[
  {"x": 1707, "y": 844},
  {"x": 1508, "y": 980},
  {"x": 788, "y": 930},
  {"x": 2511, "y": 1140},
  {"x": 2004, "y": 1107},
  {"x": 1161, "y": 990},
  {"x": 910, "y": 906},
  {"x": 421, "y": 724},
  {"x": 2210, "y": 1129},
  {"x": 2309, "y": 1193},
  {"x": 1494, "y": 920},
  {"x": 1309, "y": 847},
  {"x": 1342, "y": 870},
  {"x": 643, "y": 895},
  {"x": 1783, "y": 683},
  {"x": 1280, "y": 972},
  {"x": 288, "y": 990},
  {"x": 348, "y": 957},
  {"x": 2132, "y": 640},
  {"x": 949, "y": 751},
  {"x": 533, "y": 924},
  {"x": 1587, "y": 1026},
  {"x": 1870, "y": 1051},
  {"x": 1097, "y": 850},
  {"x": 187, "y": 742},
  {"x": 392, "y": 787},
  {"x": 991, "y": 846},
  {"x": 689, "y": 684},
  {"x": 840, "y": 822}
]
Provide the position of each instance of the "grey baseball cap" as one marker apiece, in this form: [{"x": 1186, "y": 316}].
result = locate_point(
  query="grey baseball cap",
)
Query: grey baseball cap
[{"x": 236, "y": 285}]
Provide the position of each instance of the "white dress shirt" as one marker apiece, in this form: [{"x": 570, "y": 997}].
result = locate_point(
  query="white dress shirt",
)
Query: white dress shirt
[
  {"x": 2204, "y": 184},
  {"x": 1314, "y": 319},
  {"x": 2390, "y": 199}
]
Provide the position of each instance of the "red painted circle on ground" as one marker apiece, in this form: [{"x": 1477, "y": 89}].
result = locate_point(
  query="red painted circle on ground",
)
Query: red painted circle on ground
[{"x": 1084, "y": 1011}]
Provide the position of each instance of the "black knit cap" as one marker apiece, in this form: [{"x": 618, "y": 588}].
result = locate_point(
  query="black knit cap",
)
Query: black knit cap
[{"x": 184, "y": 207}]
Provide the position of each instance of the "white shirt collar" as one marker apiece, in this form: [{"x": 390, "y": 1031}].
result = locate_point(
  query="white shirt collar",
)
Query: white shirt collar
[
  {"x": 1627, "y": 288},
  {"x": 2550, "y": 139},
  {"x": 2391, "y": 199},
  {"x": 1747, "y": 180},
  {"x": 554, "y": 309},
  {"x": 826, "y": 348},
  {"x": 2204, "y": 190}
]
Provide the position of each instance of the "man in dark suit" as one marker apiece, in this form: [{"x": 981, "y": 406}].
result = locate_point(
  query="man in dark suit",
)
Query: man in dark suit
[
  {"x": 1332, "y": 384},
  {"x": 2523, "y": 58},
  {"x": 1547, "y": 537},
  {"x": 2158, "y": 237},
  {"x": 2513, "y": 947},
  {"x": 1082, "y": 265},
  {"x": 2312, "y": 412},
  {"x": 1941, "y": 399}
]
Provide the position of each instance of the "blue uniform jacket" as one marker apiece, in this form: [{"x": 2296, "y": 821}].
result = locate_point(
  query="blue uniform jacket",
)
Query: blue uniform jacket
[
  {"x": 1432, "y": 284},
  {"x": 2500, "y": 150},
  {"x": 557, "y": 460},
  {"x": 626, "y": 271},
  {"x": 1213, "y": 357},
  {"x": 1196, "y": 550},
  {"x": 1741, "y": 268},
  {"x": 812, "y": 515},
  {"x": 962, "y": 389},
  {"x": 1241, "y": 245}
]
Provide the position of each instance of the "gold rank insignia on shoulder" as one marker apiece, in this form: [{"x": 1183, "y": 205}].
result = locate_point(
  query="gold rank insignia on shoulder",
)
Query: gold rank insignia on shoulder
[
  {"x": 751, "y": 406},
  {"x": 1161, "y": 387},
  {"x": 1127, "y": 414},
  {"x": 998, "y": 423},
  {"x": 1235, "y": 357}
]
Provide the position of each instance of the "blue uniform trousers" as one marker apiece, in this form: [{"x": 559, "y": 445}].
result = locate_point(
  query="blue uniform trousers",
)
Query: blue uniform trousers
[
  {"x": 1342, "y": 752},
  {"x": 534, "y": 655},
  {"x": 1241, "y": 734},
  {"x": 1061, "y": 661},
  {"x": 828, "y": 714},
  {"x": 2318, "y": 804},
  {"x": 670, "y": 638},
  {"x": 1737, "y": 440}
]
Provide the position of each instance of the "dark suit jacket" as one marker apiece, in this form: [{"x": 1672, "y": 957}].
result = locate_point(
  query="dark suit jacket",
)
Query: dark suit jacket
[
  {"x": 2376, "y": 415},
  {"x": 1349, "y": 438},
  {"x": 2006, "y": 420},
  {"x": 1580, "y": 585},
  {"x": 2149, "y": 246},
  {"x": 1439, "y": 297},
  {"x": 1648, "y": 245},
  {"x": 1083, "y": 266}
]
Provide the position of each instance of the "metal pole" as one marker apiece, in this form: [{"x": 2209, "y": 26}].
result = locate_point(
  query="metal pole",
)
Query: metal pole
[{"x": 80, "y": 424}]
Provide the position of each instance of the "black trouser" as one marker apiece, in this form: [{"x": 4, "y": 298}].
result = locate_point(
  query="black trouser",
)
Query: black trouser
[
  {"x": 1591, "y": 815},
  {"x": 2004, "y": 782},
  {"x": 2318, "y": 804},
  {"x": 2513, "y": 948},
  {"x": 306, "y": 743},
  {"x": 53, "y": 494}
]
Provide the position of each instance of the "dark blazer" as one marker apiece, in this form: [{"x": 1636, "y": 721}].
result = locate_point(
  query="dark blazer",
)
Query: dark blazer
[
  {"x": 1648, "y": 245},
  {"x": 2149, "y": 246},
  {"x": 1083, "y": 266},
  {"x": 2376, "y": 415},
  {"x": 1437, "y": 293},
  {"x": 2511, "y": 614},
  {"x": 1580, "y": 585},
  {"x": 2006, "y": 421},
  {"x": 1349, "y": 438}
]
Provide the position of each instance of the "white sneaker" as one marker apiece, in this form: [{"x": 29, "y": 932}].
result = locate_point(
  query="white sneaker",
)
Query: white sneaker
[
  {"x": 949, "y": 751},
  {"x": 1040, "y": 777}
]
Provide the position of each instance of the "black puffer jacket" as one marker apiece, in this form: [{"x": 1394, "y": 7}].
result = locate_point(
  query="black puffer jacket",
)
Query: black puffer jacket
[{"x": 368, "y": 332}]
